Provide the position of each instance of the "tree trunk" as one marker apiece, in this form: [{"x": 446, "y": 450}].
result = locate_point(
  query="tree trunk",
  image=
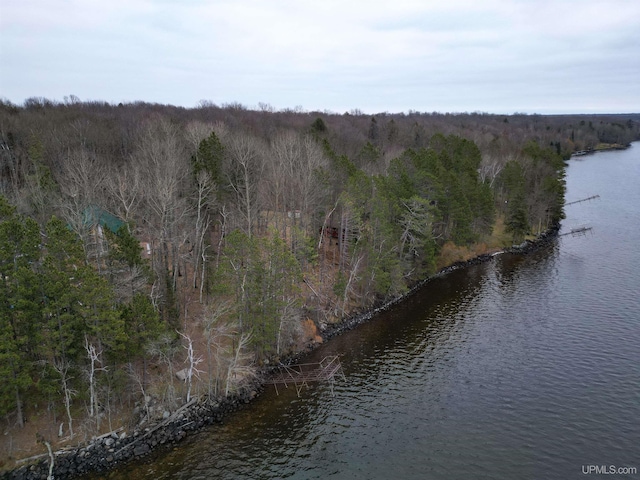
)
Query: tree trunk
[{"x": 19, "y": 408}]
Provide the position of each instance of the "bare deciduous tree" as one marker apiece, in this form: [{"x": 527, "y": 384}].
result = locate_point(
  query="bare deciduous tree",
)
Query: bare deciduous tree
[
  {"x": 165, "y": 350},
  {"x": 63, "y": 367},
  {"x": 240, "y": 367},
  {"x": 218, "y": 334},
  {"x": 245, "y": 166},
  {"x": 204, "y": 197},
  {"x": 95, "y": 359},
  {"x": 139, "y": 381},
  {"x": 490, "y": 167},
  {"x": 192, "y": 363},
  {"x": 293, "y": 175},
  {"x": 125, "y": 187},
  {"x": 164, "y": 164},
  {"x": 82, "y": 180},
  {"x": 195, "y": 132}
]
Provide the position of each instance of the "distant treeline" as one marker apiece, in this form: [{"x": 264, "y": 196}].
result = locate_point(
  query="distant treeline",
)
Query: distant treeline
[{"x": 139, "y": 240}]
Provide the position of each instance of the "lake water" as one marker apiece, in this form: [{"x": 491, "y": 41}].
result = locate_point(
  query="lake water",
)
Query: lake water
[{"x": 525, "y": 367}]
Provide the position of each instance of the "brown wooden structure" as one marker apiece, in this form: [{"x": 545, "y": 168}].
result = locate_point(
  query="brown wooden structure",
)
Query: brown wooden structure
[
  {"x": 301, "y": 374},
  {"x": 583, "y": 200},
  {"x": 576, "y": 231}
]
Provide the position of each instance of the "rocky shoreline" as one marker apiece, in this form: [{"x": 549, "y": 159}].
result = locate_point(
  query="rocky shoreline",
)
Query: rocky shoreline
[
  {"x": 107, "y": 451},
  {"x": 524, "y": 248},
  {"x": 110, "y": 450}
]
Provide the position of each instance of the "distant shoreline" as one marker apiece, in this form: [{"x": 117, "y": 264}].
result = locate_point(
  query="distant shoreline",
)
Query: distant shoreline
[{"x": 600, "y": 148}]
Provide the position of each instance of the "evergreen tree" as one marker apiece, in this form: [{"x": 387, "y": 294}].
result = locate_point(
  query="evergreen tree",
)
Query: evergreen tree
[
  {"x": 142, "y": 324},
  {"x": 513, "y": 180},
  {"x": 79, "y": 309},
  {"x": 61, "y": 276},
  {"x": 318, "y": 126},
  {"x": 374, "y": 130},
  {"x": 517, "y": 220},
  {"x": 209, "y": 158},
  {"x": 383, "y": 273},
  {"x": 19, "y": 307},
  {"x": 264, "y": 275}
]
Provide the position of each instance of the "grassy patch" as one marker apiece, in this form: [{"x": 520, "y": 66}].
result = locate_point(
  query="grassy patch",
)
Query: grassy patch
[
  {"x": 609, "y": 146},
  {"x": 498, "y": 240},
  {"x": 499, "y": 237}
]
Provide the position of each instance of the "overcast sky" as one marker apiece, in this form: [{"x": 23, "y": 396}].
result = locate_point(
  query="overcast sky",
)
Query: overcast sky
[{"x": 496, "y": 56}]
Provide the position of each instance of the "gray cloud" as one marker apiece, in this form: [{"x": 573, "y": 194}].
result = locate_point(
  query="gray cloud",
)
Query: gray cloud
[{"x": 460, "y": 55}]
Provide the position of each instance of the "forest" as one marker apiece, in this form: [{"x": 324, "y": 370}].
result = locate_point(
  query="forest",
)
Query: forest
[{"x": 152, "y": 254}]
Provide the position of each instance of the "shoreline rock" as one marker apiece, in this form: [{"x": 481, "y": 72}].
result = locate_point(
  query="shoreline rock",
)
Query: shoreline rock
[
  {"x": 107, "y": 452},
  {"x": 528, "y": 246}
]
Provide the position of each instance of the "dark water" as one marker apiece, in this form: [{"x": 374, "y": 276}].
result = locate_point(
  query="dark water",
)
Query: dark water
[{"x": 521, "y": 368}]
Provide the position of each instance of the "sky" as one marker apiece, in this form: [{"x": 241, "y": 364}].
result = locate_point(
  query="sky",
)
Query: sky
[{"x": 494, "y": 56}]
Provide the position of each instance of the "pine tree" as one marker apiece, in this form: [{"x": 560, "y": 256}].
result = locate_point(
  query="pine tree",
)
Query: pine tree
[
  {"x": 209, "y": 158},
  {"x": 513, "y": 181},
  {"x": 142, "y": 324},
  {"x": 19, "y": 307},
  {"x": 79, "y": 311},
  {"x": 318, "y": 126},
  {"x": 517, "y": 221}
]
